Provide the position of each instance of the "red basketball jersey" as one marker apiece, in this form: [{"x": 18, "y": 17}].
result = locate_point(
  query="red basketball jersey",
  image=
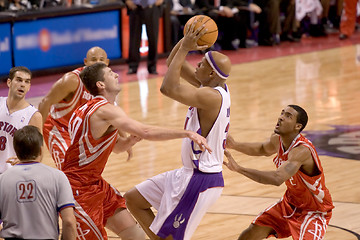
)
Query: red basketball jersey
[
  {"x": 303, "y": 191},
  {"x": 86, "y": 157},
  {"x": 61, "y": 112}
]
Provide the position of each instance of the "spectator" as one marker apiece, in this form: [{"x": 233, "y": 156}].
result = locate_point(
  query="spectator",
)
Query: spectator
[
  {"x": 348, "y": 19},
  {"x": 19, "y": 5},
  {"x": 289, "y": 27},
  {"x": 181, "y": 11},
  {"x": 227, "y": 14},
  {"x": 142, "y": 12}
]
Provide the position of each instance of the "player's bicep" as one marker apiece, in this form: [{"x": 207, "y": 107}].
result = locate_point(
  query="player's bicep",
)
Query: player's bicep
[
  {"x": 36, "y": 120},
  {"x": 116, "y": 117},
  {"x": 288, "y": 169},
  {"x": 296, "y": 159},
  {"x": 62, "y": 88}
]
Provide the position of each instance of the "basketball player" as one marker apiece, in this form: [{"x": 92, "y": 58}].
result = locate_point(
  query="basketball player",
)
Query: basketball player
[
  {"x": 33, "y": 194},
  {"x": 15, "y": 112},
  {"x": 93, "y": 130},
  {"x": 64, "y": 97},
  {"x": 305, "y": 209},
  {"x": 182, "y": 196}
]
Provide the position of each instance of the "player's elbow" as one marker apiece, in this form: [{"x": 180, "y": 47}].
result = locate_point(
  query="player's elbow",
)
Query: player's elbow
[
  {"x": 277, "y": 183},
  {"x": 164, "y": 90},
  {"x": 278, "y": 180},
  {"x": 167, "y": 90}
]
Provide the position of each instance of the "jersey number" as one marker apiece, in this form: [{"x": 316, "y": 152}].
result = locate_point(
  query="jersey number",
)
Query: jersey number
[
  {"x": 2, "y": 143},
  {"x": 26, "y": 191}
]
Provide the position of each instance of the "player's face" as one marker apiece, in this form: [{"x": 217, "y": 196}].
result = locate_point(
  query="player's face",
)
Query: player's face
[
  {"x": 286, "y": 121},
  {"x": 19, "y": 85},
  {"x": 203, "y": 71},
  {"x": 111, "y": 80},
  {"x": 96, "y": 56}
]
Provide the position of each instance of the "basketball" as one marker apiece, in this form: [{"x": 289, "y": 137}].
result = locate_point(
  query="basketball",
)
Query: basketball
[{"x": 209, "y": 38}]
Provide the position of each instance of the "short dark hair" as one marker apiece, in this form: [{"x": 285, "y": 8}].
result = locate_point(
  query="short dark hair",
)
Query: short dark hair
[
  {"x": 90, "y": 75},
  {"x": 28, "y": 142},
  {"x": 18, "y": 69},
  {"x": 302, "y": 116}
]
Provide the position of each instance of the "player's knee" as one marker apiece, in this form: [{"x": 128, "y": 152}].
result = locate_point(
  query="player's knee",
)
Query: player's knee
[
  {"x": 131, "y": 196},
  {"x": 132, "y": 233}
]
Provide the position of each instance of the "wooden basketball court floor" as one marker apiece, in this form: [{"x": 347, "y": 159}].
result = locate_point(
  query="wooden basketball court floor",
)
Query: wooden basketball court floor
[{"x": 325, "y": 81}]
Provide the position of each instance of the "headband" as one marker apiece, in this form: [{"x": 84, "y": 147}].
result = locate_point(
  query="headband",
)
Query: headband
[{"x": 213, "y": 65}]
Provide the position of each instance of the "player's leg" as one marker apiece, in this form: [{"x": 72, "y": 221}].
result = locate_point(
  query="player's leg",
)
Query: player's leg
[
  {"x": 140, "y": 208},
  {"x": 89, "y": 223},
  {"x": 204, "y": 201},
  {"x": 256, "y": 232},
  {"x": 123, "y": 224},
  {"x": 310, "y": 226},
  {"x": 270, "y": 222}
]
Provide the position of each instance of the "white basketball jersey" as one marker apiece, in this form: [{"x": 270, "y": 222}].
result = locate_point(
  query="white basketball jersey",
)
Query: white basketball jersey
[
  {"x": 9, "y": 123},
  {"x": 192, "y": 156}
]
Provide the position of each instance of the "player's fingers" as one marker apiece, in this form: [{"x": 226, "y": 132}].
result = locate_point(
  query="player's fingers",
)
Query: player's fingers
[
  {"x": 192, "y": 26},
  {"x": 207, "y": 147},
  {"x": 227, "y": 153}
]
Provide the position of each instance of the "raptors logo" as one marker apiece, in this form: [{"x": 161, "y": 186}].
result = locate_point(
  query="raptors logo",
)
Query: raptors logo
[
  {"x": 342, "y": 141},
  {"x": 178, "y": 221}
]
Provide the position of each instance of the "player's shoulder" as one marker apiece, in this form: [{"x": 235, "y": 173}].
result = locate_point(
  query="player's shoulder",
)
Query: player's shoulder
[{"x": 301, "y": 153}]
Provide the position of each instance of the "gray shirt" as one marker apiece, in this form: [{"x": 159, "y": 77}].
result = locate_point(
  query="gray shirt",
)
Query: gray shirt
[{"x": 31, "y": 196}]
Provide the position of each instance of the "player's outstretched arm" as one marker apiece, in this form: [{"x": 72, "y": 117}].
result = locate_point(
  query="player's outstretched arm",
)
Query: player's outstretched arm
[
  {"x": 115, "y": 117},
  {"x": 266, "y": 148},
  {"x": 277, "y": 177},
  {"x": 125, "y": 144},
  {"x": 61, "y": 89}
]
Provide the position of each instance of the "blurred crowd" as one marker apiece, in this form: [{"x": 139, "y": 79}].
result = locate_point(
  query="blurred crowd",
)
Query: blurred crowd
[
  {"x": 247, "y": 23},
  {"x": 244, "y": 23}
]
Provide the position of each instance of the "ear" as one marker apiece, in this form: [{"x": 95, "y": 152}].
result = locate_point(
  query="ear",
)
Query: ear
[
  {"x": 100, "y": 84},
  {"x": 107, "y": 62},
  {"x": 8, "y": 81},
  {"x": 298, "y": 126},
  {"x": 85, "y": 61}
]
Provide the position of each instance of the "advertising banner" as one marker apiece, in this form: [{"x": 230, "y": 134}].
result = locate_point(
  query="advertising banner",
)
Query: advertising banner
[
  {"x": 5, "y": 48},
  {"x": 64, "y": 41}
]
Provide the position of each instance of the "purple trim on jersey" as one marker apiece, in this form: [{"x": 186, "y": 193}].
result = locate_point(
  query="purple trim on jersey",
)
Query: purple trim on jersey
[
  {"x": 196, "y": 162},
  {"x": 27, "y": 163},
  {"x": 65, "y": 206},
  {"x": 176, "y": 222}
]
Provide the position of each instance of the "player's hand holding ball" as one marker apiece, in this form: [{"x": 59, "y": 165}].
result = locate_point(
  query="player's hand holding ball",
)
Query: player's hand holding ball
[{"x": 200, "y": 33}]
